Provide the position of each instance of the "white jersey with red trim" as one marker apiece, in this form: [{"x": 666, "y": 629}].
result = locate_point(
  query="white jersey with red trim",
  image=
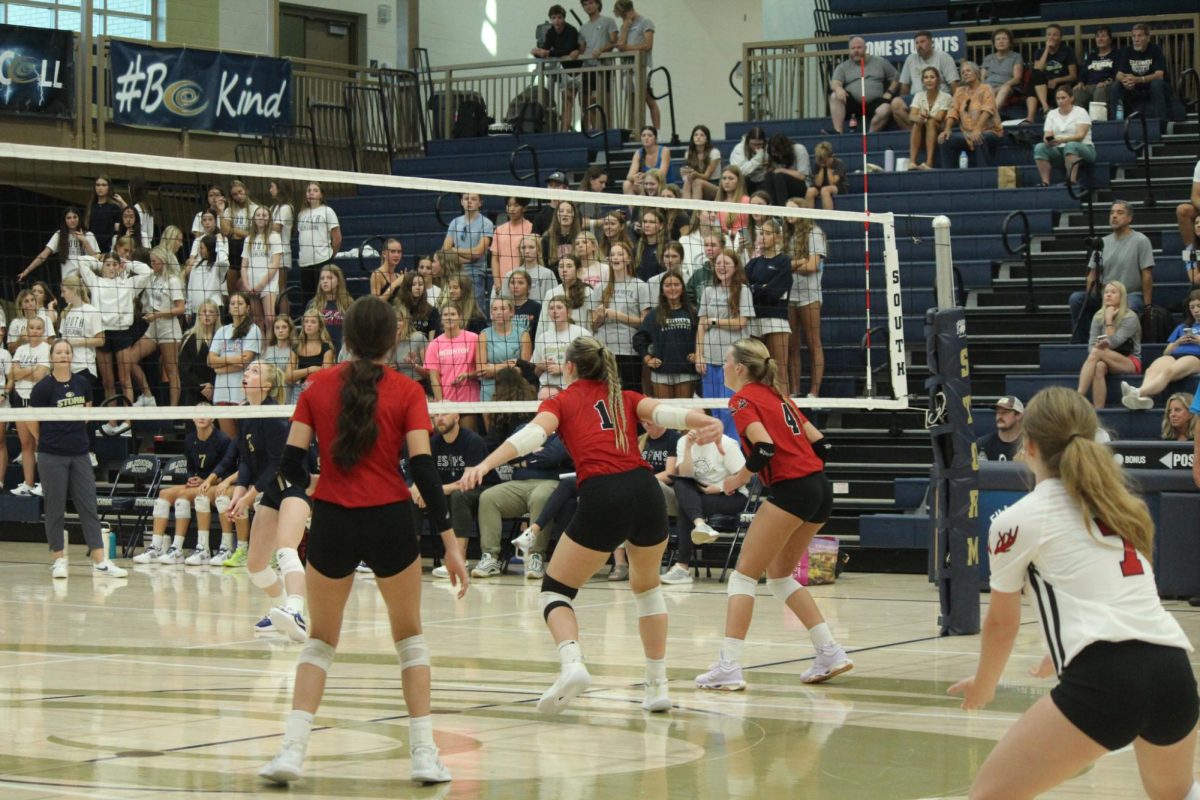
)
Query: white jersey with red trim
[{"x": 1087, "y": 583}]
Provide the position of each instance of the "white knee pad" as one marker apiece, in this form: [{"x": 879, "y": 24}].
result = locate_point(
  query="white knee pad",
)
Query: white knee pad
[
  {"x": 202, "y": 505},
  {"x": 317, "y": 653},
  {"x": 740, "y": 584},
  {"x": 162, "y": 509},
  {"x": 651, "y": 602},
  {"x": 222, "y": 503},
  {"x": 289, "y": 560},
  {"x": 783, "y": 588},
  {"x": 183, "y": 509},
  {"x": 264, "y": 578},
  {"x": 412, "y": 652}
]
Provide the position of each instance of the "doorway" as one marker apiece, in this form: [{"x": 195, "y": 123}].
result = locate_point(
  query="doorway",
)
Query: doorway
[{"x": 319, "y": 34}]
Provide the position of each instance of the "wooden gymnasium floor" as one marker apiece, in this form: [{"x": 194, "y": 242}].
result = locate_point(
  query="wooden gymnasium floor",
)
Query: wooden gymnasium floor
[{"x": 154, "y": 686}]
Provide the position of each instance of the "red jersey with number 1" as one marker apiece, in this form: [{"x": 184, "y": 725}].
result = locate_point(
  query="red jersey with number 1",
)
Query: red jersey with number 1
[
  {"x": 794, "y": 456},
  {"x": 585, "y": 423}
]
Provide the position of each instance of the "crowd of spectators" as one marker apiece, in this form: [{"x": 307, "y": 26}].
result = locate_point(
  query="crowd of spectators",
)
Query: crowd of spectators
[{"x": 931, "y": 95}]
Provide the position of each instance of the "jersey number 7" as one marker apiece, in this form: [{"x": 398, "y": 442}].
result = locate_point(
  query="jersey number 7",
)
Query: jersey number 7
[{"x": 1130, "y": 564}]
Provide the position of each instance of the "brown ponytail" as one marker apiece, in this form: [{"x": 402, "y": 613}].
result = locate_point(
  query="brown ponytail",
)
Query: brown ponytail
[
  {"x": 370, "y": 333},
  {"x": 595, "y": 362},
  {"x": 1063, "y": 426}
]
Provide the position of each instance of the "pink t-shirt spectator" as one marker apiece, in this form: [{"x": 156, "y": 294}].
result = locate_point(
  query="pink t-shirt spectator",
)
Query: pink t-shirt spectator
[
  {"x": 454, "y": 358},
  {"x": 506, "y": 242}
]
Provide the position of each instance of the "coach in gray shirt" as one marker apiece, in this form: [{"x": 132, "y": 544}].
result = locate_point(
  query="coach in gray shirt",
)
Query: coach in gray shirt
[
  {"x": 910, "y": 74},
  {"x": 848, "y": 91},
  {"x": 1127, "y": 257}
]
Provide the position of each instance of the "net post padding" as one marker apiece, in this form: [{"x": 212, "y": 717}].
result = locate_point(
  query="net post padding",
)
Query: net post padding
[{"x": 954, "y": 553}]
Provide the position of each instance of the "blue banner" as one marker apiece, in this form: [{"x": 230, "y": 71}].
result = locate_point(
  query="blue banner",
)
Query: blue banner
[
  {"x": 37, "y": 71},
  {"x": 201, "y": 90},
  {"x": 896, "y": 47}
]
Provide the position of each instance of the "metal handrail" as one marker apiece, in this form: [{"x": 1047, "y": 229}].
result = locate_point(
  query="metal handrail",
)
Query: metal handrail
[
  {"x": 669, "y": 97},
  {"x": 1088, "y": 195},
  {"x": 793, "y": 70},
  {"x": 1026, "y": 250},
  {"x": 1142, "y": 149},
  {"x": 437, "y": 209},
  {"x": 1191, "y": 76},
  {"x": 286, "y": 130},
  {"x": 733, "y": 85},
  {"x": 512, "y": 165},
  {"x": 602, "y": 133},
  {"x": 382, "y": 249}
]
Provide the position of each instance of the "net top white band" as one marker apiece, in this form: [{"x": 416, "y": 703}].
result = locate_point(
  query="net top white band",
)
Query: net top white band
[
  {"x": 145, "y": 413},
  {"x": 142, "y": 162}
]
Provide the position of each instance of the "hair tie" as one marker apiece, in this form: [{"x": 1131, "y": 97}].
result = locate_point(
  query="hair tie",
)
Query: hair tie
[{"x": 1075, "y": 436}]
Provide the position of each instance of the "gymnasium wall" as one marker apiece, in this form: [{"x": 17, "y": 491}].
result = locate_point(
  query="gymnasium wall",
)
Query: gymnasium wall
[{"x": 699, "y": 41}]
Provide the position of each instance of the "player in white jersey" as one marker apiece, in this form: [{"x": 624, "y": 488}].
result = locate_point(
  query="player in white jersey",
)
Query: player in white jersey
[{"x": 1080, "y": 544}]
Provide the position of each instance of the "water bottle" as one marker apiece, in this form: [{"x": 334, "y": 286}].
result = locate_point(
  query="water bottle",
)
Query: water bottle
[
  {"x": 889, "y": 160},
  {"x": 963, "y": 161},
  {"x": 108, "y": 541},
  {"x": 1120, "y": 111}
]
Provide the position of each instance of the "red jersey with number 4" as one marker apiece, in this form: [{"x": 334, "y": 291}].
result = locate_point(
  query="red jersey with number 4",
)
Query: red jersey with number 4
[
  {"x": 794, "y": 456},
  {"x": 585, "y": 423}
]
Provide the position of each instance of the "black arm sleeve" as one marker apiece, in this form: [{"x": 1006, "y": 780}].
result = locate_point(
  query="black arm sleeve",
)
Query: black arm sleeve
[
  {"x": 276, "y": 433},
  {"x": 292, "y": 466},
  {"x": 425, "y": 476},
  {"x": 761, "y": 454},
  {"x": 823, "y": 448}
]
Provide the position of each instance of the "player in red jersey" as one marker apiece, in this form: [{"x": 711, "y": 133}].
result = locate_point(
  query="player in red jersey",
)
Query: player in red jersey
[
  {"x": 788, "y": 453},
  {"x": 619, "y": 501},
  {"x": 363, "y": 414}
]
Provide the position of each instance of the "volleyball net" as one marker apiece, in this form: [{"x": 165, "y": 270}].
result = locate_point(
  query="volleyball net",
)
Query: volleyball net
[{"x": 822, "y": 289}]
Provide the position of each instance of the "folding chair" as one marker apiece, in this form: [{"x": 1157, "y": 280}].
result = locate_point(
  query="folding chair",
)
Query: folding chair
[
  {"x": 173, "y": 470},
  {"x": 507, "y": 550},
  {"x": 753, "y": 501},
  {"x": 731, "y": 529},
  {"x": 137, "y": 480}
]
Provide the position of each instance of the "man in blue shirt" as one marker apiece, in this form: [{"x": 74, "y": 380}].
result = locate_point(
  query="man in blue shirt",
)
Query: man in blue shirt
[{"x": 469, "y": 237}]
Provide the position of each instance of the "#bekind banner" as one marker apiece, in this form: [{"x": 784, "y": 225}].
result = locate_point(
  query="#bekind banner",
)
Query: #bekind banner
[{"x": 201, "y": 90}]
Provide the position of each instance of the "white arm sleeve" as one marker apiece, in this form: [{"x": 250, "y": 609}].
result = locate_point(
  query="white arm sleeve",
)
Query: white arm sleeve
[
  {"x": 528, "y": 439},
  {"x": 670, "y": 416}
]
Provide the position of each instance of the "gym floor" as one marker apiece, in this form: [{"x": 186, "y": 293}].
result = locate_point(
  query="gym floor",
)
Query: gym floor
[{"x": 155, "y": 686}]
